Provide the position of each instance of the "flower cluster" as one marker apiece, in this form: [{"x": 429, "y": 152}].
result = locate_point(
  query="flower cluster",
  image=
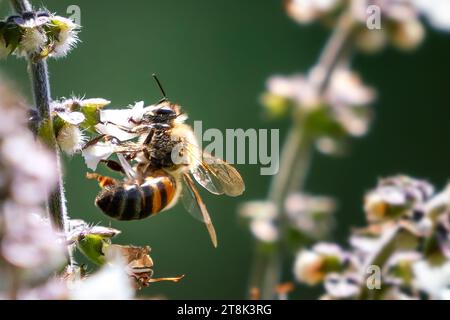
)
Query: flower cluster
[
  {"x": 310, "y": 218},
  {"x": 72, "y": 118},
  {"x": 30, "y": 249},
  {"x": 37, "y": 35},
  {"x": 402, "y": 254},
  {"x": 331, "y": 117},
  {"x": 377, "y": 22},
  {"x": 95, "y": 243}
]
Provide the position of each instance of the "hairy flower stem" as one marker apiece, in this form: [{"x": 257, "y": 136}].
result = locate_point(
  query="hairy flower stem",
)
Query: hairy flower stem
[
  {"x": 295, "y": 159},
  {"x": 56, "y": 203},
  {"x": 21, "y": 6}
]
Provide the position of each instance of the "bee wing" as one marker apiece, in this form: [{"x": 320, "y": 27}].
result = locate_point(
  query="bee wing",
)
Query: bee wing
[
  {"x": 207, "y": 179},
  {"x": 215, "y": 175},
  {"x": 224, "y": 176},
  {"x": 194, "y": 204}
]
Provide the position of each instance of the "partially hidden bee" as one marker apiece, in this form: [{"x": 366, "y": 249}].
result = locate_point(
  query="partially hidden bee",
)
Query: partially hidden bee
[{"x": 157, "y": 168}]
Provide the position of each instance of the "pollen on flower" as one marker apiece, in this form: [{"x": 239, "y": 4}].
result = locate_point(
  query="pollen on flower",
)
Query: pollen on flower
[
  {"x": 70, "y": 139},
  {"x": 32, "y": 42},
  {"x": 38, "y": 35},
  {"x": 67, "y": 38}
]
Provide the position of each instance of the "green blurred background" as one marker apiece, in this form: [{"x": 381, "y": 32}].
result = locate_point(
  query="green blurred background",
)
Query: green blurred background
[{"x": 213, "y": 57}]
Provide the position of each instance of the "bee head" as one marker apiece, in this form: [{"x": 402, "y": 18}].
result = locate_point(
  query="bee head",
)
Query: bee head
[{"x": 163, "y": 113}]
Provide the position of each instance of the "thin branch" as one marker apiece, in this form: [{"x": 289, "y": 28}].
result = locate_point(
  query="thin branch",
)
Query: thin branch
[
  {"x": 379, "y": 259},
  {"x": 41, "y": 90},
  {"x": 296, "y": 155},
  {"x": 21, "y": 6}
]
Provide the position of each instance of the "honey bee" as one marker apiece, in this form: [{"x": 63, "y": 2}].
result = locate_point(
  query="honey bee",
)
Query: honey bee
[{"x": 164, "y": 157}]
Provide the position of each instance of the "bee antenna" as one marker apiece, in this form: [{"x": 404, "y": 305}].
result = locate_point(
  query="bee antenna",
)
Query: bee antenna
[{"x": 160, "y": 87}]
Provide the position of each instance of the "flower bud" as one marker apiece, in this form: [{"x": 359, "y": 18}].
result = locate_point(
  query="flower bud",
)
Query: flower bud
[
  {"x": 311, "y": 266},
  {"x": 70, "y": 139}
]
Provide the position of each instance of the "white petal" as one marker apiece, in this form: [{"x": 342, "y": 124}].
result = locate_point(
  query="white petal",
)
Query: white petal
[
  {"x": 264, "y": 230},
  {"x": 122, "y": 116},
  {"x": 432, "y": 279},
  {"x": 110, "y": 283},
  {"x": 138, "y": 111},
  {"x": 117, "y": 116},
  {"x": 437, "y": 12},
  {"x": 93, "y": 154},
  {"x": 72, "y": 117},
  {"x": 95, "y": 101},
  {"x": 114, "y": 131}
]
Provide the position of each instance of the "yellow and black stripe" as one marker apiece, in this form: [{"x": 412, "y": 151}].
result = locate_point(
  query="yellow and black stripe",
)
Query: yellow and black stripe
[{"x": 133, "y": 201}]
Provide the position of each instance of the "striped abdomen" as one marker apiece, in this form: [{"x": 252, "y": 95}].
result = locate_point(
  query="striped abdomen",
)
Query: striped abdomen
[{"x": 128, "y": 201}]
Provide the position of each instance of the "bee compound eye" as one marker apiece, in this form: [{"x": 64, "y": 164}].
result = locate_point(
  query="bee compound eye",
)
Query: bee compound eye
[{"x": 166, "y": 110}]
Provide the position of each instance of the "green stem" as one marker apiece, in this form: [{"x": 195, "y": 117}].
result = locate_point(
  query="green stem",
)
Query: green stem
[
  {"x": 295, "y": 159},
  {"x": 21, "y": 6},
  {"x": 379, "y": 259},
  {"x": 56, "y": 203}
]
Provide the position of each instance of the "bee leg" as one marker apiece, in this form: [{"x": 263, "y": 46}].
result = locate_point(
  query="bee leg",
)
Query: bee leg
[
  {"x": 103, "y": 181},
  {"x": 113, "y": 165},
  {"x": 101, "y": 137},
  {"x": 131, "y": 120},
  {"x": 93, "y": 141},
  {"x": 137, "y": 130}
]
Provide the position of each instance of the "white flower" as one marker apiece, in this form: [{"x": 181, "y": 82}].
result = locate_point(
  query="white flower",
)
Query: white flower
[
  {"x": 111, "y": 129},
  {"x": 346, "y": 88},
  {"x": 434, "y": 280},
  {"x": 436, "y": 11},
  {"x": 342, "y": 286},
  {"x": 70, "y": 139},
  {"x": 329, "y": 249},
  {"x": 126, "y": 118},
  {"x": 311, "y": 266},
  {"x": 304, "y": 11},
  {"x": 122, "y": 116},
  {"x": 54, "y": 289},
  {"x": 111, "y": 282},
  {"x": 30, "y": 242},
  {"x": 32, "y": 180},
  {"x": 258, "y": 210},
  {"x": 33, "y": 40},
  {"x": 99, "y": 151},
  {"x": 408, "y": 34},
  {"x": 296, "y": 88},
  {"x": 364, "y": 244},
  {"x": 311, "y": 215},
  {"x": 308, "y": 267},
  {"x": 67, "y": 37},
  {"x": 98, "y": 102},
  {"x": 264, "y": 230},
  {"x": 74, "y": 118}
]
